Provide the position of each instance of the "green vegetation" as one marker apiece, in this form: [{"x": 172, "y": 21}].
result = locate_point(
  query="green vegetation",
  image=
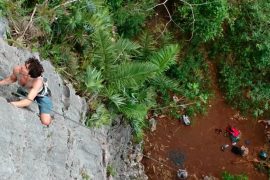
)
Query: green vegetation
[
  {"x": 202, "y": 20},
  {"x": 193, "y": 74},
  {"x": 130, "y": 16},
  {"x": 111, "y": 171},
  {"x": 243, "y": 56},
  {"x": 112, "y": 58},
  {"x": 112, "y": 71},
  {"x": 236, "y": 37},
  {"x": 228, "y": 176},
  {"x": 85, "y": 176}
]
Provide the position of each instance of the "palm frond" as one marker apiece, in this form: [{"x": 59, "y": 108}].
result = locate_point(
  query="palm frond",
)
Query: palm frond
[
  {"x": 114, "y": 97},
  {"x": 124, "y": 49},
  {"x": 101, "y": 20},
  {"x": 135, "y": 112},
  {"x": 165, "y": 58},
  {"x": 99, "y": 118},
  {"x": 131, "y": 75},
  {"x": 148, "y": 45},
  {"x": 93, "y": 79},
  {"x": 165, "y": 82},
  {"x": 104, "y": 52}
]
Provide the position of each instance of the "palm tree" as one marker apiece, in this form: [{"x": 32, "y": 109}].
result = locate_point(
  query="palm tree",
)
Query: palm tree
[{"x": 118, "y": 77}]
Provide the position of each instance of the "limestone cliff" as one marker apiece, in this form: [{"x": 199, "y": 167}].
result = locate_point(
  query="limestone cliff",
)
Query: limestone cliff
[{"x": 66, "y": 149}]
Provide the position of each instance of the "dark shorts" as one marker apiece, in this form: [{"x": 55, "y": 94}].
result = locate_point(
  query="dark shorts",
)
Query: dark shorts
[{"x": 44, "y": 104}]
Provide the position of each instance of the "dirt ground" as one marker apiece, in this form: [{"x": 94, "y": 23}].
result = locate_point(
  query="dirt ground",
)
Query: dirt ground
[{"x": 197, "y": 148}]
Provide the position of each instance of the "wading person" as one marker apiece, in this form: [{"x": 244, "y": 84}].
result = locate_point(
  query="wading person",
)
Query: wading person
[{"x": 33, "y": 87}]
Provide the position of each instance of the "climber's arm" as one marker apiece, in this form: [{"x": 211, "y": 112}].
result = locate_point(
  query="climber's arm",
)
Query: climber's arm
[
  {"x": 10, "y": 79},
  {"x": 31, "y": 95}
]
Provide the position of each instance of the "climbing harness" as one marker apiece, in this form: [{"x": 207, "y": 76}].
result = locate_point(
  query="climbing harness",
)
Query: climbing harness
[{"x": 45, "y": 91}]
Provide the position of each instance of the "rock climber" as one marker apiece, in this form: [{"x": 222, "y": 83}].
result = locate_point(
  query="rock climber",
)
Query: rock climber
[{"x": 33, "y": 87}]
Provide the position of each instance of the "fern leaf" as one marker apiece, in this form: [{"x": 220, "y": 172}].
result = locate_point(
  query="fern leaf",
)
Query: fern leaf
[
  {"x": 136, "y": 114},
  {"x": 101, "y": 19},
  {"x": 100, "y": 117},
  {"x": 117, "y": 100},
  {"x": 147, "y": 96}
]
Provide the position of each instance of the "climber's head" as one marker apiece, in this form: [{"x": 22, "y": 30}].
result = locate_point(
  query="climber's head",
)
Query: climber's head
[{"x": 34, "y": 68}]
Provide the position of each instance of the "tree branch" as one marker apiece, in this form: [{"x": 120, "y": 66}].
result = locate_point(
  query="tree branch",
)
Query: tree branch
[
  {"x": 171, "y": 19},
  {"x": 193, "y": 19},
  {"x": 31, "y": 19}
]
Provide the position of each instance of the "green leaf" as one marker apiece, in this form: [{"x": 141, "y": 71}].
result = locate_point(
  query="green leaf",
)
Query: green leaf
[
  {"x": 104, "y": 55},
  {"x": 266, "y": 106},
  {"x": 136, "y": 114},
  {"x": 124, "y": 48},
  {"x": 165, "y": 58},
  {"x": 93, "y": 79},
  {"x": 131, "y": 75},
  {"x": 165, "y": 82},
  {"x": 99, "y": 118},
  {"x": 115, "y": 98}
]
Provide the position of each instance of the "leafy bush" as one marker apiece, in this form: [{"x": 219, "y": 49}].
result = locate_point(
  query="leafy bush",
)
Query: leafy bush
[
  {"x": 245, "y": 51},
  {"x": 192, "y": 73},
  {"x": 206, "y": 21},
  {"x": 130, "y": 16},
  {"x": 100, "y": 116}
]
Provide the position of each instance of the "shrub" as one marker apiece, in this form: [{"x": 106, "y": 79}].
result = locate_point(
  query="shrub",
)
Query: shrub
[
  {"x": 192, "y": 73},
  {"x": 245, "y": 51},
  {"x": 206, "y": 21},
  {"x": 130, "y": 16}
]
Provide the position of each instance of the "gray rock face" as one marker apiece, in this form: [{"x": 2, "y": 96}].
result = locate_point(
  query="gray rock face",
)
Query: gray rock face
[
  {"x": 124, "y": 156},
  {"x": 3, "y": 27},
  {"x": 65, "y": 150},
  {"x": 29, "y": 150}
]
